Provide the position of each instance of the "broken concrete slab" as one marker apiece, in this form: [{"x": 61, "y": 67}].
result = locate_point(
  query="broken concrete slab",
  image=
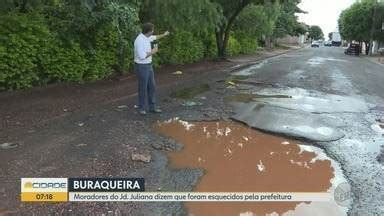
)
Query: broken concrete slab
[
  {"x": 315, "y": 102},
  {"x": 288, "y": 122},
  {"x": 378, "y": 128}
]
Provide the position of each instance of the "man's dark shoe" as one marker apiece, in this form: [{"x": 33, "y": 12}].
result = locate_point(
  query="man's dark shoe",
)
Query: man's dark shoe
[
  {"x": 142, "y": 112},
  {"x": 156, "y": 110}
]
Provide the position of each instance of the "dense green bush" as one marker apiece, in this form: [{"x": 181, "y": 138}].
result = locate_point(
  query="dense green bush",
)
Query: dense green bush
[
  {"x": 21, "y": 39},
  {"x": 30, "y": 54},
  {"x": 128, "y": 56},
  {"x": 102, "y": 57},
  {"x": 234, "y": 47},
  {"x": 181, "y": 47},
  {"x": 62, "y": 40},
  {"x": 247, "y": 42},
  {"x": 210, "y": 46},
  {"x": 63, "y": 63}
]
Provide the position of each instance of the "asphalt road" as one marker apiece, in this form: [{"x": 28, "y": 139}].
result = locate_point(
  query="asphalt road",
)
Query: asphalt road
[
  {"x": 336, "y": 102},
  {"x": 99, "y": 140},
  {"x": 325, "y": 69}
]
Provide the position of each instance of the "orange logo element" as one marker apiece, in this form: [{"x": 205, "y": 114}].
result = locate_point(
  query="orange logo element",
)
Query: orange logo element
[{"x": 28, "y": 185}]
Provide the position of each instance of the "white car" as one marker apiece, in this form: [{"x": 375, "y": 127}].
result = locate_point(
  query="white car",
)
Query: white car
[
  {"x": 315, "y": 44},
  {"x": 328, "y": 43}
]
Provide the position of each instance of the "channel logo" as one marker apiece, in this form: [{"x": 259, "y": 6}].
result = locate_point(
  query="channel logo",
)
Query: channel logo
[
  {"x": 45, "y": 185},
  {"x": 61, "y": 189},
  {"x": 44, "y": 189}
]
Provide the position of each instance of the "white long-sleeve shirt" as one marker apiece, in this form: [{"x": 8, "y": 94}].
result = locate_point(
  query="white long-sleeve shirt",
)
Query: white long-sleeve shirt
[{"x": 142, "y": 48}]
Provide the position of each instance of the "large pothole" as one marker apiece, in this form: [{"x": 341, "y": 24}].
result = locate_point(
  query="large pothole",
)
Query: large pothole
[
  {"x": 237, "y": 158},
  {"x": 295, "y": 112}
]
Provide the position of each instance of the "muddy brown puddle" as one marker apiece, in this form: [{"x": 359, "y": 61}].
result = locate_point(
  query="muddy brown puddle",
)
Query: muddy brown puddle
[{"x": 236, "y": 158}]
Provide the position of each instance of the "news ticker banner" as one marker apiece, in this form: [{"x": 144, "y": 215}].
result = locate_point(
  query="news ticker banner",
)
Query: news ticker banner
[{"x": 133, "y": 190}]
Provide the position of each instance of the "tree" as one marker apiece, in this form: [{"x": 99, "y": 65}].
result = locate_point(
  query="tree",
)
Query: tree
[
  {"x": 258, "y": 20},
  {"x": 194, "y": 16},
  {"x": 219, "y": 16},
  {"x": 377, "y": 26},
  {"x": 272, "y": 11},
  {"x": 301, "y": 29},
  {"x": 275, "y": 20},
  {"x": 198, "y": 15},
  {"x": 355, "y": 23},
  {"x": 230, "y": 10},
  {"x": 253, "y": 20},
  {"x": 315, "y": 33},
  {"x": 287, "y": 23},
  {"x": 25, "y": 6},
  {"x": 83, "y": 20}
]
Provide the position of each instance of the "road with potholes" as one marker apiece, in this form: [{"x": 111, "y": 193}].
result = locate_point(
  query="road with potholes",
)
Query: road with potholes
[
  {"x": 319, "y": 96},
  {"x": 334, "y": 102}
]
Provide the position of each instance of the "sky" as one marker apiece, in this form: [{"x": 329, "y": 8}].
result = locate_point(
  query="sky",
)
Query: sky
[{"x": 323, "y": 13}]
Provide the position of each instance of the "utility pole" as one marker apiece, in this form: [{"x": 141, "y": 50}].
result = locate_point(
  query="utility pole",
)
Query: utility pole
[{"x": 376, "y": 4}]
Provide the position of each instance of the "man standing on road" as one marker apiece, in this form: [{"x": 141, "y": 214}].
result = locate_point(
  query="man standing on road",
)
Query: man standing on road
[{"x": 143, "y": 67}]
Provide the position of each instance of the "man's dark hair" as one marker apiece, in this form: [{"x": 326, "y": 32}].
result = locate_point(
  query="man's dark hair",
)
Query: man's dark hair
[{"x": 147, "y": 27}]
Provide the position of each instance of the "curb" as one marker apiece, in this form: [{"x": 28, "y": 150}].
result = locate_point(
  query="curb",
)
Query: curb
[
  {"x": 242, "y": 66},
  {"x": 374, "y": 61}
]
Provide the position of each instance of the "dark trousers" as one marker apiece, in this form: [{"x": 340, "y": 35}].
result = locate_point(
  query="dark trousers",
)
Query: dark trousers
[{"x": 147, "y": 85}]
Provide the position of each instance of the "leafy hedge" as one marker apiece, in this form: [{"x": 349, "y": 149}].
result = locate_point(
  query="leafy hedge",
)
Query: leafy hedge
[
  {"x": 104, "y": 56},
  {"x": 241, "y": 43},
  {"x": 32, "y": 53},
  {"x": 248, "y": 44},
  {"x": 21, "y": 40},
  {"x": 63, "y": 63},
  {"x": 180, "y": 48},
  {"x": 209, "y": 43},
  {"x": 234, "y": 47}
]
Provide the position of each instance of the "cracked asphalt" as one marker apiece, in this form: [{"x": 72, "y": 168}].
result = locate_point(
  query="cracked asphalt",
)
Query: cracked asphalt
[
  {"x": 333, "y": 101},
  {"x": 98, "y": 140}
]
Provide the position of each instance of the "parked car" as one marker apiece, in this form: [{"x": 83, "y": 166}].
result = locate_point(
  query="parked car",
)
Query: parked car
[
  {"x": 353, "y": 49},
  {"x": 328, "y": 43},
  {"x": 315, "y": 44}
]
